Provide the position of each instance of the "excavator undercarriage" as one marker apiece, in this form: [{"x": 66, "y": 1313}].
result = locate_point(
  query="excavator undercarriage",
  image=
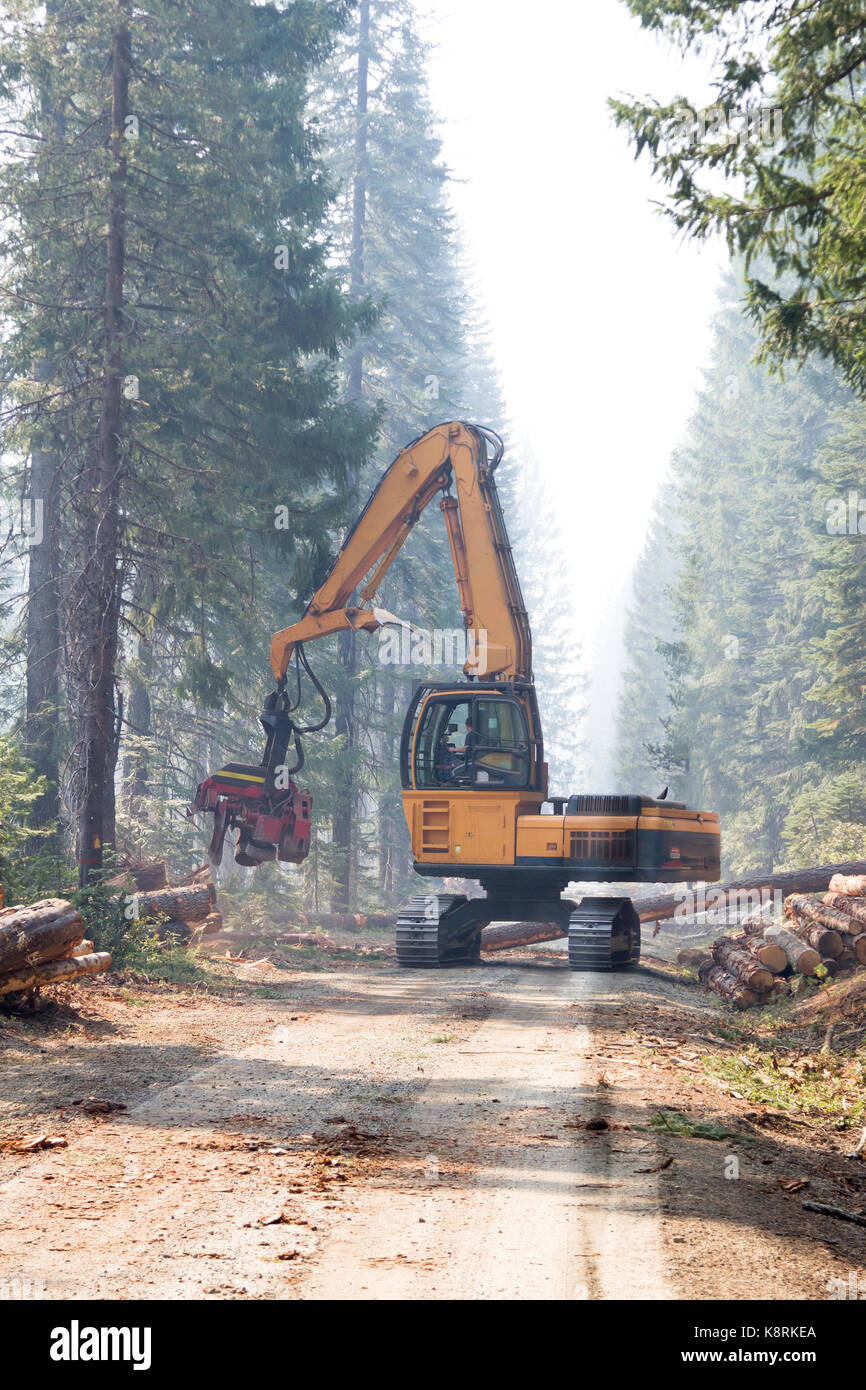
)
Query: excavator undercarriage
[{"x": 440, "y": 929}]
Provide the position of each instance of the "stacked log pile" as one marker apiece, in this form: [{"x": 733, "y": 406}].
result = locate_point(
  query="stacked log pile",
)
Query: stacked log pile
[
  {"x": 44, "y": 945},
  {"x": 820, "y": 937}
]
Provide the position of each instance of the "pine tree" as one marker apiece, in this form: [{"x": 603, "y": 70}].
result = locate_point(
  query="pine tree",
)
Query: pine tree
[
  {"x": 746, "y": 602},
  {"x": 544, "y": 564},
  {"x": 775, "y": 163},
  {"x": 644, "y": 708},
  {"x": 196, "y": 341}
]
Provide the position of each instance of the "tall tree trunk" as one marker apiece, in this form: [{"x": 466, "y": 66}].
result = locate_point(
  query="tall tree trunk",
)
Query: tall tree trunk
[
  {"x": 43, "y": 635},
  {"x": 344, "y": 817},
  {"x": 100, "y": 618},
  {"x": 43, "y": 646},
  {"x": 136, "y": 763}
]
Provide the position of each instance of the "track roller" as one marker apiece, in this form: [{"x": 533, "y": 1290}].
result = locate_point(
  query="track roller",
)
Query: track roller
[
  {"x": 603, "y": 934},
  {"x": 439, "y": 929}
]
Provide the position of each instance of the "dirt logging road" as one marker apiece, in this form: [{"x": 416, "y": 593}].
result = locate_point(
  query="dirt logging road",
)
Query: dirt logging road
[{"x": 515, "y": 1131}]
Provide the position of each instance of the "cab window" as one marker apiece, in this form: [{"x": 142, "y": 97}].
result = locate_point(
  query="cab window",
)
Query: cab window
[
  {"x": 482, "y": 742},
  {"x": 501, "y": 753}
]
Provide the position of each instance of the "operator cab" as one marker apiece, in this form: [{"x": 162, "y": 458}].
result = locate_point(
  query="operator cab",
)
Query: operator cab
[{"x": 470, "y": 737}]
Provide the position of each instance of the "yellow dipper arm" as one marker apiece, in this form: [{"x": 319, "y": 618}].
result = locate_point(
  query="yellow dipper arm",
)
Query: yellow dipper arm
[{"x": 493, "y": 608}]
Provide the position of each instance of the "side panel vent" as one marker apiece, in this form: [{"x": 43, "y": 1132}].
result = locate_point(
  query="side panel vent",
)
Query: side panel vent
[
  {"x": 602, "y": 846},
  {"x": 603, "y": 805}
]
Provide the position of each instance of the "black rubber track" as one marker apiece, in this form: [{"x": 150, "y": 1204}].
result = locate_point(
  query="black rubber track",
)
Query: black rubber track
[
  {"x": 603, "y": 934},
  {"x": 432, "y": 933}
]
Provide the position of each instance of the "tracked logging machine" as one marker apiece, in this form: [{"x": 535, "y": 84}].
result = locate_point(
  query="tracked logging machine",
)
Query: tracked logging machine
[{"x": 478, "y": 810}]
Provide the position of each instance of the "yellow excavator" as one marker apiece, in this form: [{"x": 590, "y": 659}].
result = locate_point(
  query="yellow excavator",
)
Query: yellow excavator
[{"x": 478, "y": 809}]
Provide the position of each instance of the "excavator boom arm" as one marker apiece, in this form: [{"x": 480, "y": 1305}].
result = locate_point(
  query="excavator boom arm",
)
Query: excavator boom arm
[{"x": 493, "y": 609}]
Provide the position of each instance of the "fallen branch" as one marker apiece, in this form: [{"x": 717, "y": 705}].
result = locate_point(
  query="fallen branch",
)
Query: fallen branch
[{"x": 824, "y": 1209}]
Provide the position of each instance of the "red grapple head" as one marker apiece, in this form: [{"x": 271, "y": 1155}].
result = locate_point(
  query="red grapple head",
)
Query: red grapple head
[{"x": 271, "y": 824}]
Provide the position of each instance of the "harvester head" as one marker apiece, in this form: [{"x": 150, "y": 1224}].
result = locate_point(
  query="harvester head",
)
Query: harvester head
[{"x": 261, "y": 802}]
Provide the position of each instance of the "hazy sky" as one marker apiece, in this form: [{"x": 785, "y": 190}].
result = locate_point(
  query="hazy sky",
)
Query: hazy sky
[{"x": 599, "y": 314}]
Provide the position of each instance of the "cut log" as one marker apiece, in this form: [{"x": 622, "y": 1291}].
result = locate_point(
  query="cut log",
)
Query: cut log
[
  {"x": 847, "y": 960},
  {"x": 83, "y": 948},
  {"x": 802, "y": 958},
  {"x": 852, "y": 908},
  {"x": 809, "y": 880},
  {"x": 55, "y": 972},
  {"x": 796, "y": 905},
  {"x": 188, "y": 905},
  {"x": 853, "y": 884},
  {"x": 728, "y": 986},
  {"x": 754, "y": 922},
  {"x": 38, "y": 933},
  {"x": 512, "y": 934},
  {"x": 742, "y": 965},
  {"x": 826, "y": 941},
  {"x": 855, "y": 946},
  {"x": 21, "y": 916},
  {"x": 212, "y": 924},
  {"x": 304, "y": 938},
  {"x": 767, "y": 952}
]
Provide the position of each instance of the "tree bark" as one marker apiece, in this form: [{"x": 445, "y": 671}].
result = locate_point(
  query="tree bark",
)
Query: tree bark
[
  {"x": 852, "y": 908},
  {"x": 100, "y": 580},
  {"x": 799, "y": 906},
  {"x": 519, "y": 934},
  {"x": 136, "y": 763},
  {"x": 804, "y": 959},
  {"x": 55, "y": 972},
  {"x": 809, "y": 880},
  {"x": 343, "y": 822},
  {"x": 853, "y": 884},
  {"x": 743, "y": 965},
  {"x": 824, "y": 939},
  {"x": 44, "y": 646},
  {"x": 42, "y": 932},
  {"x": 357, "y": 278},
  {"x": 188, "y": 905},
  {"x": 43, "y": 626},
  {"x": 728, "y": 986}
]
